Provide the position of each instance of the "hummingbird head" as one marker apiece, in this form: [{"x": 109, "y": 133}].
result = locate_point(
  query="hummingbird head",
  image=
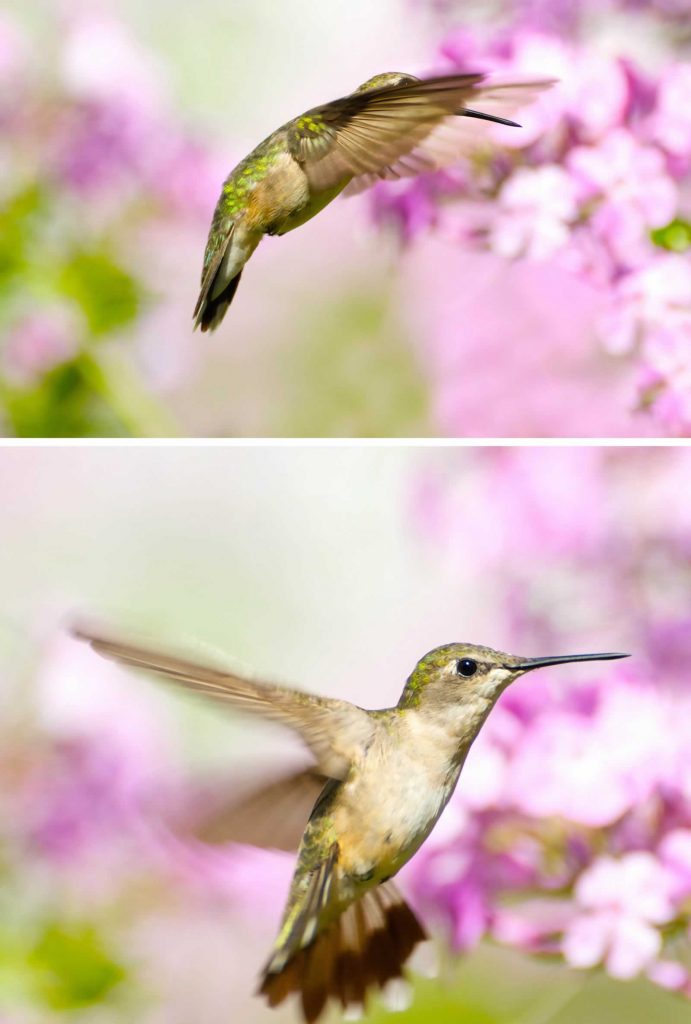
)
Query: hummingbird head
[
  {"x": 468, "y": 675},
  {"x": 386, "y": 80}
]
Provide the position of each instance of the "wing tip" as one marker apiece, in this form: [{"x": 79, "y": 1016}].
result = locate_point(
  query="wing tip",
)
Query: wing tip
[{"x": 84, "y": 630}]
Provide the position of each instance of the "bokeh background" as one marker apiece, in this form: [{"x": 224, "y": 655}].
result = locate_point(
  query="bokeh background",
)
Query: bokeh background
[
  {"x": 540, "y": 288},
  {"x": 558, "y": 881}
]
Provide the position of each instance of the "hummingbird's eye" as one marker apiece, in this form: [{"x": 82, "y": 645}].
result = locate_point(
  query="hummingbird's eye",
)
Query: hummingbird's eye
[{"x": 466, "y": 667}]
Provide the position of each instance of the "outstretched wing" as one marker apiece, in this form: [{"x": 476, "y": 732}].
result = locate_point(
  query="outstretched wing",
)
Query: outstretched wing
[
  {"x": 383, "y": 131},
  {"x": 334, "y": 730},
  {"x": 272, "y": 815}
]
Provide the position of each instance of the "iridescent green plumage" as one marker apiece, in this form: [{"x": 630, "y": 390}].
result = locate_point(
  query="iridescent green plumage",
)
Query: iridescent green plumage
[
  {"x": 248, "y": 174},
  {"x": 386, "y": 128}
]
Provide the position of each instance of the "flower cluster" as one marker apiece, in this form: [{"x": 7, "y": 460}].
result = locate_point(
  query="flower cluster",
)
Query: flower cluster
[
  {"x": 597, "y": 182},
  {"x": 94, "y": 162},
  {"x": 562, "y": 15},
  {"x": 570, "y": 832}
]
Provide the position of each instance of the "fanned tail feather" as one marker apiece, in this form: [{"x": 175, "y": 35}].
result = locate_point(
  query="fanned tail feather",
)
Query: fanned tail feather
[
  {"x": 211, "y": 308},
  {"x": 365, "y": 948},
  {"x": 221, "y": 274}
]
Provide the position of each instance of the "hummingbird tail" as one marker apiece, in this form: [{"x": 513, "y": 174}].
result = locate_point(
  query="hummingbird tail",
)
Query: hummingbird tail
[
  {"x": 364, "y": 948},
  {"x": 211, "y": 308}
]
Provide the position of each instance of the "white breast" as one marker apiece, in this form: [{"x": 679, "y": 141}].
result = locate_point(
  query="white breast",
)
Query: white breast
[{"x": 396, "y": 798}]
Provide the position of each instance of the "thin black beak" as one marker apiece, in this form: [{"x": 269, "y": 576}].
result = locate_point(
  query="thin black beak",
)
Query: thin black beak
[
  {"x": 465, "y": 112},
  {"x": 530, "y": 663}
]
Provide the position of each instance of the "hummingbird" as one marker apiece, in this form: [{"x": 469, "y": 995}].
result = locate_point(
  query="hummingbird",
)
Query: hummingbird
[
  {"x": 386, "y": 128},
  {"x": 377, "y": 784}
]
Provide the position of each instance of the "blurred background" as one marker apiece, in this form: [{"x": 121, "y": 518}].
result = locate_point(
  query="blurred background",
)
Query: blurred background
[
  {"x": 432, "y": 308},
  {"x": 562, "y": 865}
]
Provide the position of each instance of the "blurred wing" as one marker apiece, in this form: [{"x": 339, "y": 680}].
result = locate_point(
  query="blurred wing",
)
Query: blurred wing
[
  {"x": 366, "y": 131},
  {"x": 272, "y": 816},
  {"x": 390, "y": 132},
  {"x": 462, "y": 134},
  {"x": 334, "y": 730}
]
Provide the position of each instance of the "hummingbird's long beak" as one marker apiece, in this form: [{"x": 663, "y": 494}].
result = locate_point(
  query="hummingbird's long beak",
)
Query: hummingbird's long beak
[{"x": 531, "y": 663}]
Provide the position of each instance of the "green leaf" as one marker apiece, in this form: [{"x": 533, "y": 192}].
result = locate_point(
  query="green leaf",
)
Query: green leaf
[
  {"x": 108, "y": 296},
  {"x": 73, "y": 967},
  {"x": 62, "y": 404},
  {"x": 20, "y": 220},
  {"x": 675, "y": 236}
]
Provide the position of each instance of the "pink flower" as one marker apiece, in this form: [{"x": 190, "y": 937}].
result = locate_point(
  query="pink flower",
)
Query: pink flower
[
  {"x": 562, "y": 755},
  {"x": 670, "y": 123},
  {"x": 99, "y": 143},
  {"x": 670, "y": 974},
  {"x": 597, "y": 92},
  {"x": 667, "y": 356},
  {"x": 621, "y": 901},
  {"x": 459, "y": 880},
  {"x": 536, "y": 206},
  {"x": 672, "y": 406},
  {"x": 411, "y": 208},
  {"x": 675, "y": 853},
  {"x": 657, "y": 296},
  {"x": 602, "y": 160},
  {"x": 625, "y": 171},
  {"x": 78, "y": 798}
]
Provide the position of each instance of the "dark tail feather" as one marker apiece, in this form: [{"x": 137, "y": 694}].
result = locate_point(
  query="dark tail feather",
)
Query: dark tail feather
[
  {"x": 210, "y": 310},
  {"x": 317, "y": 971},
  {"x": 488, "y": 117},
  {"x": 366, "y": 947}
]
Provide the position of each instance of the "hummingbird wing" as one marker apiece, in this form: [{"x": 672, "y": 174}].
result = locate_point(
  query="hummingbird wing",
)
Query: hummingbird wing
[
  {"x": 335, "y": 731},
  {"x": 389, "y": 131},
  {"x": 272, "y": 816}
]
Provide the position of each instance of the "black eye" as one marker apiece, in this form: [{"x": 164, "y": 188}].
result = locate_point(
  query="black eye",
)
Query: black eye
[{"x": 466, "y": 667}]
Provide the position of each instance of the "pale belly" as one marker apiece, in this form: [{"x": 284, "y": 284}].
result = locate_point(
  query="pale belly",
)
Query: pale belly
[
  {"x": 387, "y": 817},
  {"x": 313, "y": 206}
]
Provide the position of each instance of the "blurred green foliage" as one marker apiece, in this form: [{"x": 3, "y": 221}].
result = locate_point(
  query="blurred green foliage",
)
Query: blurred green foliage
[
  {"x": 75, "y": 398},
  {"x": 64, "y": 403},
  {"x": 65, "y": 966},
  {"x": 19, "y": 225},
  {"x": 375, "y": 386},
  {"x": 73, "y": 967},
  {"x": 107, "y": 295},
  {"x": 493, "y": 985}
]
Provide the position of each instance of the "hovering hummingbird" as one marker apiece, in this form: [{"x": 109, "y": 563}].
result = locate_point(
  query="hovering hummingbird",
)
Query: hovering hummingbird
[
  {"x": 387, "y": 128},
  {"x": 378, "y": 784}
]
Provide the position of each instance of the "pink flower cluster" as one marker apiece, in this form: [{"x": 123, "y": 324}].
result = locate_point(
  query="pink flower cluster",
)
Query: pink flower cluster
[
  {"x": 566, "y": 15},
  {"x": 570, "y": 832},
  {"x": 95, "y": 160},
  {"x": 598, "y": 181}
]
